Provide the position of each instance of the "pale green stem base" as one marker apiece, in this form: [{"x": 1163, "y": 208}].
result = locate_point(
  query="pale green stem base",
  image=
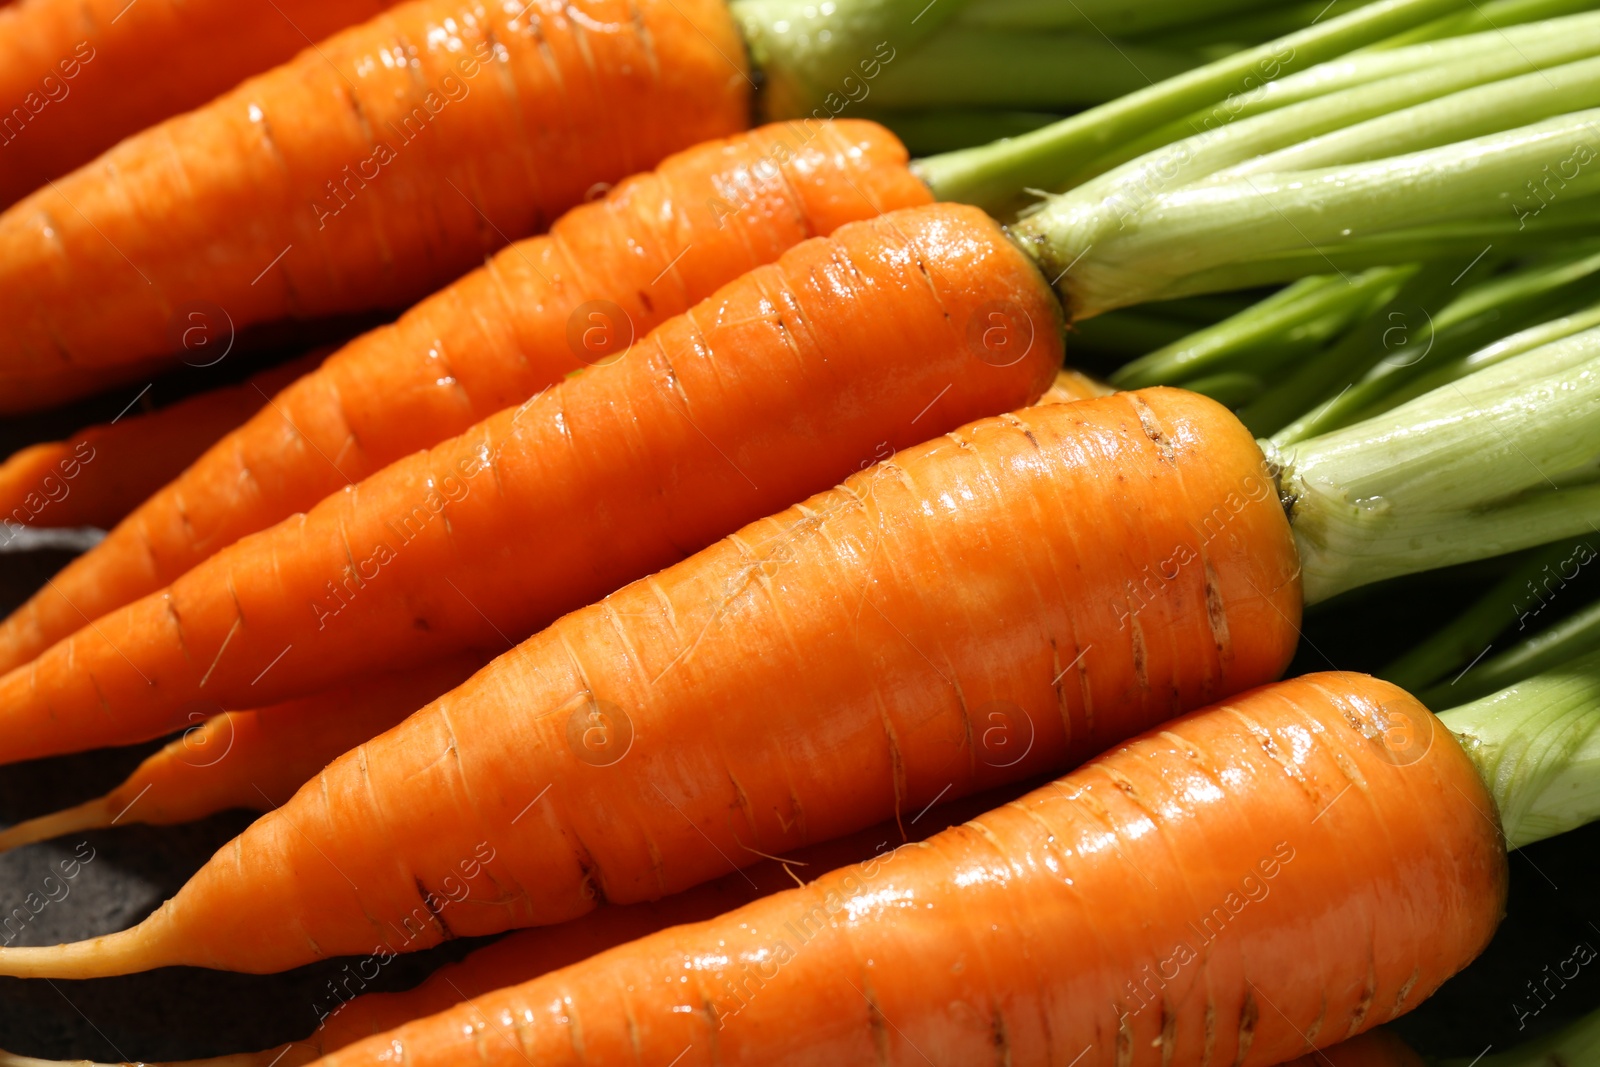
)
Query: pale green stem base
[
  {"x": 1537, "y": 747},
  {"x": 1574, "y": 1045},
  {"x": 1462, "y": 473}
]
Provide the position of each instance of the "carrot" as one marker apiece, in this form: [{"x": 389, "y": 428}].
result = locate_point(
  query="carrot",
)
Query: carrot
[
  {"x": 1239, "y": 886},
  {"x": 363, "y": 173},
  {"x": 346, "y": 1014},
  {"x": 76, "y": 77},
  {"x": 798, "y": 373},
  {"x": 252, "y": 759},
  {"x": 653, "y": 247},
  {"x": 100, "y": 474},
  {"x": 1073, "y": 385},
  {"x": 850, "y": 684}
]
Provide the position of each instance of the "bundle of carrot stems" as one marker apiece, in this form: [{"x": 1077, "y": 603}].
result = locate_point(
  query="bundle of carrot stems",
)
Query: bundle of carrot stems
[{"x": 821, "y": 606}]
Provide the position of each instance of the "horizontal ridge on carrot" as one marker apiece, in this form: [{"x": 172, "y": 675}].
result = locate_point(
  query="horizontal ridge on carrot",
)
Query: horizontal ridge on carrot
[
  {"x": 363, "y": 173},
  {"x": 86, "y": 73},
  {"x": 1239, "y": 886},
  {"x": 784, "y": 381},
  {"x": 652, "y": 248}
]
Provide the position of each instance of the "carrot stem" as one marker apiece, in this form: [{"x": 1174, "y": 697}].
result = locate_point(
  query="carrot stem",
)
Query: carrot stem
[
  {"x": 1017, "y": 68},
  {"x": 1062, "y": 154},
  {"x": 1258, "y": 228},
  {"x": 1495, "y": 14},
  {"x": 1496, "y": 307},
  {"x": 1098, "y": 16},
  {"x": 1355, "y": 352},
  {"x": 1299, "y": 317},
  {"x": 1576, "y": 635},
  {"x": 1537, "y": 746},
  {"x": 1465, "y": 636},
  {"x": 1467, "y": 471}
]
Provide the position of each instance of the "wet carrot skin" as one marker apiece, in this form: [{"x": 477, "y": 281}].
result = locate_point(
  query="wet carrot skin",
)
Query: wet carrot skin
[
  {"x": 100, "y": 474},
  {"x": 655, "y": 246},
  {"x": 113, "y": 70},
  {"x": 811, "y": 674},
  {"x": 1351, "y": 886},
  {"x": 789, "y": 378},
  {"x": 523, "y": 111}
]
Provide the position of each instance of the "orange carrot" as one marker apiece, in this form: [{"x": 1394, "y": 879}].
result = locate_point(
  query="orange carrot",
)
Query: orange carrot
[
  {"x": 1239, "y": 887},
  {"x": 363, "y": 173},
  {"x": 77, "y": 76},
  {"x": 1073, "y": 385},
  {"x": 654, "y": 247},
  {"x": 99, "y": 475},
  {"x": 252, "y": 759},
  {"x": 809, "y": 675},
  {"x": 787, "y": 379}
]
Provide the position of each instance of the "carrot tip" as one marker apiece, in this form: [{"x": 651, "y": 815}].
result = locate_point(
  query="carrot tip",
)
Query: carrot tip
[{"x": 90, "y": 815}]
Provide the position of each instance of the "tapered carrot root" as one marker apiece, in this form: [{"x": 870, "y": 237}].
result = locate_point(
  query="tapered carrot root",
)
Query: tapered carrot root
[
  {"x": 654, "y": 247},
  {"x": 98, "y": 476},
  {"x": 252, "y": 759},
  {"x": 348, "y": 1015},
  {"x": 786, "y": 380},
  {"x": 1121, "y": 560},
  {"x": 1237, "y": 887},
  {"x": 363, "y": 173},
  {"x": 77, "y": 76}
]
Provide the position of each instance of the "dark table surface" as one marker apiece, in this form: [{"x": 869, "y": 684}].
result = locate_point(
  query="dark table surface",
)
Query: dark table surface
[{"x": 185, "y": 1012}]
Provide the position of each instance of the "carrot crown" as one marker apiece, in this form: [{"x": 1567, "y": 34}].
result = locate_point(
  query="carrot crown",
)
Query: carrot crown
[
  {"x": 1537, "y": 746},
  {"x": 1498, "y": 461}
]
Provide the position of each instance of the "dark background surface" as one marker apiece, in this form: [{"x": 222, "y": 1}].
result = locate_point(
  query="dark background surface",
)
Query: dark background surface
[{"x": 185, "y": 1012}]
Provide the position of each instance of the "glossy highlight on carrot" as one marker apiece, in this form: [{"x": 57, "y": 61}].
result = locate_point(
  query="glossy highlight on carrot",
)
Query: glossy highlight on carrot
[
  {"x": 252, "y": 759},
  {"x": 785, "y": 381},
  {"x": 363, "y": 173},
  {"x": 851, "y": 683},
  {"x": 100, "y": 474},
  {"x": 77, "y": 76},
  {"x": 650, "y": 249},
  {"x": 1158, "y": 906}
]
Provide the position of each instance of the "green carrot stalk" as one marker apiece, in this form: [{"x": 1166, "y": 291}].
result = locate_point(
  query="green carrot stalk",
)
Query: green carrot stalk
[
  {"x": 1062, "y": 154},
  {"x": 1577, "y": 634},
  {"x": 1490, "y": 15},
  {"x": 1253, "y": 229},
  {"x": 1500, "y": 306},
  {"x": 1297, "y": 319},
  {"x": 1537, "y": 746},
  {"x": 1096, "y": 16},
  {"x": 926, "y": 131},
  {"x": 1228, "y": 388},
  {"x": 1495, "y": 103},
  {"x": 1125, "y": 333},
  {"x": 1022, "y": 69},
  {"x": 1467, "y": 471},
  {"x": 1353, "y": 354},
  {"x": 1498, "y": 82},
  {"x": 1512, "y": 599}
]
